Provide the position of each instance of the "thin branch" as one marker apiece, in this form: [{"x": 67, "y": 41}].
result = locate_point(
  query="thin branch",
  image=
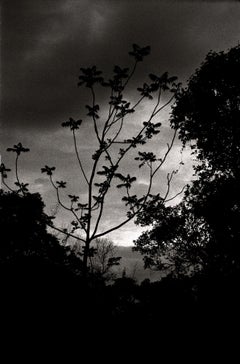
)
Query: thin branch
[
  {"x": 113, "y": 228},
  {"x": 65, "y": 232},
  {"x": 131, "y": 74},
  {"x": 121, "y": 117},
  {"x": 163, "y": 106},
  {"x": 94, "y": 119},
  {"x": 58, "y": 196},
  {"x": 98, "y": 218},
  {"x": 169, "y": 147},
  {"x": 16, "y": 169},
  {"x": 114, "y": 121},
  {"x": 110, "y": 107},
  {"x": 145, "y": 126},
  {"x": 78, "y": 157},
  {"x": 169, "y": 180},
  {"x": 116, "y": 135},
  {"x": 104, "y": 194},
  {"x": 21, "y": 188},
  {"x": 62, "y": 205},
  {"x": 139, "y": 101},
  {"x": 158, "y": 102},
  {"x": 177, "y": 194},
  {"x": 133, "y": 214},
  {"x": 111, "y": 110},
  {"x": 6, "y": 185},
  {"x": 90, "y": 187}
]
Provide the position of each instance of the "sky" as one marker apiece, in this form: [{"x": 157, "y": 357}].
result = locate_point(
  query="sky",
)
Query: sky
[{"x": 43, "y": 45}]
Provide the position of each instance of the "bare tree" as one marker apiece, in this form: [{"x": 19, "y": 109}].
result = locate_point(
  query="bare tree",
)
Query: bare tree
[
  {"x": 102, "y": 258},
  {"x": 110, "y": 151}
]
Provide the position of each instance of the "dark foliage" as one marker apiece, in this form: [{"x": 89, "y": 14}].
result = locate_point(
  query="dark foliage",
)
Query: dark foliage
[
  {"x": 38, "y": 276},
  {"x": 207, "y": 111},
  {"x": 197, "y": 241},
  {"x": 24, "y": 231},
  {"x": 202, "y": 233}
]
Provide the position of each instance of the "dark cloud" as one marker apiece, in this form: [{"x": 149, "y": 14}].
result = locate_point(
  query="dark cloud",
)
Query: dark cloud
[{"x": 46, "y": 41}]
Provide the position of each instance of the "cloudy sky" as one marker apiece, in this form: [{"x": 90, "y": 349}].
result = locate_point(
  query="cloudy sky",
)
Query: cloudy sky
[{"x": 45, "y": 42}]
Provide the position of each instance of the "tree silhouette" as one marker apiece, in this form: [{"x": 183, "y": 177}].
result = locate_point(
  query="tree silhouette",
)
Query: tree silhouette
[
  {"x": 207, "y": 113},
  {"x": 211, "y": 120},
  {"x": 23, "y": 225},
  {"x": 202, "y": 232},
  {"x": 102, "y": 258},
  {"x": 106, "y": 167}
]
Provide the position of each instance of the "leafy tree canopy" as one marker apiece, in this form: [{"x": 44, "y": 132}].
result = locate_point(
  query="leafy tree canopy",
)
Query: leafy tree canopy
[
  {"x": 202, "y": 232},
  {"x": 207, "y": 111},
  {"x": 24, "y": 234}
]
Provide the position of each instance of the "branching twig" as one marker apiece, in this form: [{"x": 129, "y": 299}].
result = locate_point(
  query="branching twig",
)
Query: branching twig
[
  {"x": 177, "y": 194},
  {"x": 78, "y": 157},
  {"x": 6, "y": 185},
  {"x": 65, "y": 232}
]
